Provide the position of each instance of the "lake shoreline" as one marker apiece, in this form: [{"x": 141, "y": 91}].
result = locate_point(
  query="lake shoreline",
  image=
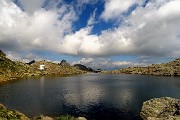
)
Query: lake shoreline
[
  {"x": 14, "y": 114},
  {"x": 7, "y": 80}
]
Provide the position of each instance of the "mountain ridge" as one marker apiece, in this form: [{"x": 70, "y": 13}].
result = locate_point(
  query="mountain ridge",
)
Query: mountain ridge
[{"x": 171, "y": 68}]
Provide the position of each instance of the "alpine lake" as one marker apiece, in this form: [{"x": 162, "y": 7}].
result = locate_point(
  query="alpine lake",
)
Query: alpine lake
[{"x": 94, "y": 96}]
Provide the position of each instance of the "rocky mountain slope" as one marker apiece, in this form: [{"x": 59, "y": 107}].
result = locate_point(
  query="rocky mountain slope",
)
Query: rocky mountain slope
[
  {"x": 83, "y": 67},
  {"x": 171, "y": 68},
  {"x": 53, "y": 69},
  {"x": 11, "y": 70}
]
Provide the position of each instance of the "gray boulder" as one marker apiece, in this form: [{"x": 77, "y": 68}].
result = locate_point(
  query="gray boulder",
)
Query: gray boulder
[{"x": 164, "y": 108}]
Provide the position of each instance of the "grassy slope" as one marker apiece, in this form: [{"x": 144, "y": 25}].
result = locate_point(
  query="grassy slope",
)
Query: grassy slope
[
  {"x": 54, "y": 69},
  {"x": 11, "y": 70}
]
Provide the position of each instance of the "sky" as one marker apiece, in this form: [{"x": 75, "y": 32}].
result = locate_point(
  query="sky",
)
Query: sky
[{"x": 106, "y": 34}]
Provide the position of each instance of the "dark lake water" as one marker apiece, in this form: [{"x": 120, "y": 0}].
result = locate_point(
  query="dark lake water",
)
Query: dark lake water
[{"x": 94, "y": 96}]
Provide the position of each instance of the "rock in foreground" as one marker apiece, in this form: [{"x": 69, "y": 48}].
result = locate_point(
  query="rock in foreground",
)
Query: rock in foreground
[
  {"x": 165, "y": 108},
  {"x": 6, "y": 114}
]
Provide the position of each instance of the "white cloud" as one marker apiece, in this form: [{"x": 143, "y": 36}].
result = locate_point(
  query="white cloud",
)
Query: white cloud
[
  {"x": 13, "y": 56},
  {"x": 149, "y": 31},
  {"x": 41, "y": 30},
  {"x": 170, "y": 9},
  {"x": 31, "y": 5},
  {"x": 84, "y": 2},
  {"x": 26, "y": 58},
  {"x": 86, "y": 60},
  {"x": 84, "y": 43},
  {"x": 154, "y": 31},
  {"x": 115, "y": 8},
  {"x": 92, "y": 19},
  {"x": 81, "y": 43}
]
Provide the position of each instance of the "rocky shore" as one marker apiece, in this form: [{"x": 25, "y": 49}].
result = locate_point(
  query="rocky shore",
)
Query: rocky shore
[
  {"x": 6, "y": 114},
  {"x": 164, "y": 108},
  {"x": 166, "y": 69},
  {"x": 12, "y": 70}
]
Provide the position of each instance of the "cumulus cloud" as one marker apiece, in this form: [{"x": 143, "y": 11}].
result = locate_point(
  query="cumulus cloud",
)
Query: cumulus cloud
[
  {"x": 152, "y": 30},
  {"x": 23, "y": 58},
  {"x": 155, "y": 29},
  {"x": 110, "y": 42},
  {"x": 81, "y": 43},
  {"x": 31, "y": 5},
  {"x": 85, "y": 61},
  {"x": 41, "y": 30},
  {"x": 115, "y": 8}
]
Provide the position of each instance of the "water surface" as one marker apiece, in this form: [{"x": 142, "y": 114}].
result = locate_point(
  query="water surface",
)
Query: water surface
[{"x": 94, "y": 96}]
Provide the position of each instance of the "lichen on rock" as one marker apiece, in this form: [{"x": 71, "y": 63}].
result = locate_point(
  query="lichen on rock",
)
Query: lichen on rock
[
  {"x": 6, "y": 114},
  {"x": 164, "y": 108}
]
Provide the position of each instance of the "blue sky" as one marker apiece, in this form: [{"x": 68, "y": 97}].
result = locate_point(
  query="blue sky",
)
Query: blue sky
[{"x": 107, "y": 34}]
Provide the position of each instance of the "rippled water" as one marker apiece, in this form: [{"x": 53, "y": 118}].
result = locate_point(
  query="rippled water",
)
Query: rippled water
[{"x": 94, "y": 96}]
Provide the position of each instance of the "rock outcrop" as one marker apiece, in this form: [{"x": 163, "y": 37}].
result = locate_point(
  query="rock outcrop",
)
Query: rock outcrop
[
  {"x": 31, "y": 62},
  {"x": 83, "y": 67},
  {"x": 165, "y": 69},
  {"x": 6, "y": 114},
  {"x": 165, "y": 108}
]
